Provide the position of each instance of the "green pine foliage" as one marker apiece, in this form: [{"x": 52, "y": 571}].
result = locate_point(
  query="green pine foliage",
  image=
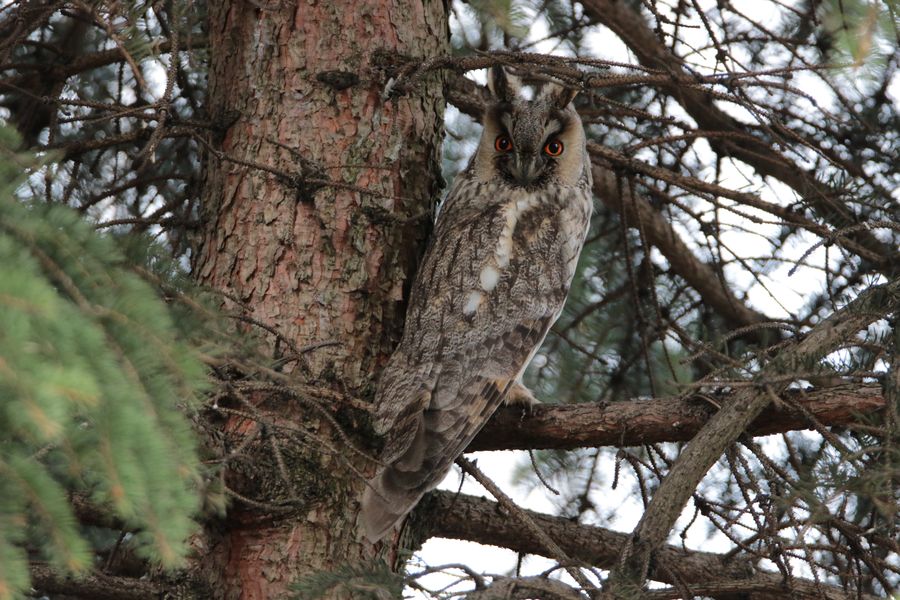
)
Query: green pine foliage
[
  {"x": 605, "y": 347},
  {"x": 96, "y": 381},
  {"x": 505, "y": 17},
  {"x": 859, "y": 33}
]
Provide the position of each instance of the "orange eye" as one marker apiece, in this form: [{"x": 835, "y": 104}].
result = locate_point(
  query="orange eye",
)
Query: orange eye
[
  {"x": 502, "y": 144},
  {"x": 554, "y": 148}
]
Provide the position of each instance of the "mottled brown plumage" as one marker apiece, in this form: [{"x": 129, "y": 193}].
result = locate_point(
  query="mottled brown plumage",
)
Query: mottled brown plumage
[{"x": 493, "y": 281}]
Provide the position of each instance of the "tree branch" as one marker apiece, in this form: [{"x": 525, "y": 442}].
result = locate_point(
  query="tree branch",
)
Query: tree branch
[
  {"x": 638, "y": 212},
  {"x": 787, "y": 215},
  {"x": 95, "y": 586},
  {"x": 734, "y": 418},
  {"x": 636, "y": 422},
  {"x": 632, "y": 29},
  {"x": 460, "y": 516},
  {"x": 548, "y": 545},
  {"x": 525, "y": 588},
  {"x": 768, "y": 587},
  {"x": 101, "y": 58}
]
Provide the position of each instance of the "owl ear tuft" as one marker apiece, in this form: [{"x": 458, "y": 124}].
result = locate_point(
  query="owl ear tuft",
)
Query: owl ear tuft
[
  {"x": 505, "y": 86},
  {"x": 557, "y": 94}
]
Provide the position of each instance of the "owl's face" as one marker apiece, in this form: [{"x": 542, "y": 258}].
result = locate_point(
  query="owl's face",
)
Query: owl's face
[{"x": 528, "y": 144}]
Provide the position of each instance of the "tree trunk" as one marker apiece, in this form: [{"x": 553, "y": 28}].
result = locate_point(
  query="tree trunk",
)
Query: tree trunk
[{"x": 300, "y": 88}]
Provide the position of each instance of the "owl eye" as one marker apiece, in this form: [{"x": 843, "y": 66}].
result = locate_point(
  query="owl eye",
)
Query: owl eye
[
  {"x": 502, "y": 144},
  {"x": 554, "y": 148}
]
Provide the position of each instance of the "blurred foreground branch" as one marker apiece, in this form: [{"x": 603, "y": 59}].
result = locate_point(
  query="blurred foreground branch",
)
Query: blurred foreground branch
[{"x": 96, "y": 586}]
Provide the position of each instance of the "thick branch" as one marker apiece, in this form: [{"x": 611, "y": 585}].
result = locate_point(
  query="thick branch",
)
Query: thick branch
[
  {"x": 463, "y": 517},
  {"x": 96, "y": 586},
  {"x": 766, "y": 587},
  {"x": 639, "y": 422},
  {"x": 733, "y": 419},
  {"x": 459, "y": 516},
  {"x": 101, "y": 58},
  {"x": 548, "y": 545},
  {"x": 525, "y": 588},
  {"x": 631, "y": 27}
]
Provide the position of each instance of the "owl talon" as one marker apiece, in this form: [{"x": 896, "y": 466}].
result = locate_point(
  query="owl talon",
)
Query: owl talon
[{"x": 519, "y": 395}]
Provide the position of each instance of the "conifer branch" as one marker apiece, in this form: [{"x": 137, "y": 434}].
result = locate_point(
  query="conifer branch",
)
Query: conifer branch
[
  {"x": 636, "y": 422},
  {"x": 638, "y": 212},
  {"x": 727, "y": 425},
  {"x": 652, "y": 53},
  {"x": 524, "y": 588},
  {"x": 464, "y": 517},
  {"x": 95, "y": 586},
  {"x": 548, "y": 545}
]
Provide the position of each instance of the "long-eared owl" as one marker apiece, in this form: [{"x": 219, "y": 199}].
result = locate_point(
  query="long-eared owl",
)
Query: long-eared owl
[{"x": 492, "y": 282}]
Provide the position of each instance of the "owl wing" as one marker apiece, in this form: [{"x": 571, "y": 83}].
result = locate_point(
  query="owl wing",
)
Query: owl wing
[
  {"x": 453, "y": 369},
  {"x": 434, "y": 429}
]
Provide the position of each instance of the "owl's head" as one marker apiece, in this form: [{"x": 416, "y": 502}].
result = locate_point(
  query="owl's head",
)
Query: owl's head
[{"x": 529, "y": 143}]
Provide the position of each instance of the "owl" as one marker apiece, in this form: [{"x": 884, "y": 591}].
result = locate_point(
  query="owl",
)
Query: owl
[{"x": 493, "y": 280}]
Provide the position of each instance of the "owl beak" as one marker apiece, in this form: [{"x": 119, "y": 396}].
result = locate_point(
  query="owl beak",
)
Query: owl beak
[{"x": 525, "y": 168}]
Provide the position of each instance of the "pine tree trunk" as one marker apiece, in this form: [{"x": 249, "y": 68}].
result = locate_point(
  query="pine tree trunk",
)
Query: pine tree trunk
[{"x": 300, "y": 88}]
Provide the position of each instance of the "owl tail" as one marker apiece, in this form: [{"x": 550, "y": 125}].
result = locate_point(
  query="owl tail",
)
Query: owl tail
[
  {"x": 384, "y": 503},
  {"x": 396, "y": 490}
]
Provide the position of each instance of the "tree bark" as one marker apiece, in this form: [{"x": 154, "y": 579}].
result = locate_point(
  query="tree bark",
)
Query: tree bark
[
  {"x": 569, "y": 426},
  {"x": 323, "y": 254},
  {"x": 728, "y": 423},
  {"x": 480, "y": 520}
]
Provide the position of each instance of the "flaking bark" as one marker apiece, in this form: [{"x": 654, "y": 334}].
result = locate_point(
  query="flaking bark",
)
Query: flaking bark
[{"x": 315, "y": 261}]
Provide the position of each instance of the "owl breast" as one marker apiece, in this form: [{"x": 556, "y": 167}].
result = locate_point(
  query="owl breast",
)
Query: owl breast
[{"x": 516, "y": 254}]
